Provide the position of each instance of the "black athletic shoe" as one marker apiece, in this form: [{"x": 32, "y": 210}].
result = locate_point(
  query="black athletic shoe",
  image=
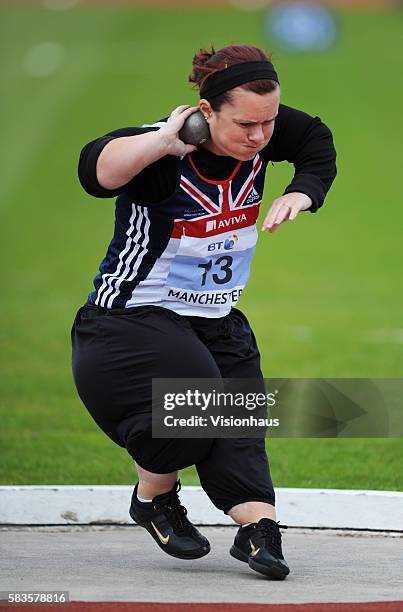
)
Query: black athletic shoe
[
  {"x": 259, "y": 545},
  {"x": 165, "y": 519}
]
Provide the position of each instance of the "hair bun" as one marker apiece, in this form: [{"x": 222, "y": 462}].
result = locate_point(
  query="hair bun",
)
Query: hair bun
[{"x": 208, "y": 61}]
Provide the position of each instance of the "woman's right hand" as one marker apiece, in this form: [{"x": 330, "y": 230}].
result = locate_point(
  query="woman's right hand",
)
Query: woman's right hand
[
  {"x": 169, "y": 133},
  {"x": 123, "y": 158}
]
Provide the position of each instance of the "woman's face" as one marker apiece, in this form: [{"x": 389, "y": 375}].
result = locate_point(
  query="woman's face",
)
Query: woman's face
[{"x": 243, "y": 126}]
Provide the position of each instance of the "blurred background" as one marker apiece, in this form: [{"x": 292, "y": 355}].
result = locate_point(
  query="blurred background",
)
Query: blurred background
[{"x": 325, "y": 296}]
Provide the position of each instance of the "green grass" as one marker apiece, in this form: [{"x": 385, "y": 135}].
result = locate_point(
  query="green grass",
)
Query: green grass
[{"x": 319, "y": 287}]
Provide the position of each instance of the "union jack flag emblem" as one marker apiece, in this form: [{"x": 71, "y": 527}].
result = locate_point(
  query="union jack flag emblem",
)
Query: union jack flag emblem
[
  {"x": 225, "y": 203},
  {"x": 226, "y": 206}
]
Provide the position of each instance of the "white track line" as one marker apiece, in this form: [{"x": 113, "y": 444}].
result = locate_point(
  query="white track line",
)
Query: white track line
[{"x": 85, "y": 504}]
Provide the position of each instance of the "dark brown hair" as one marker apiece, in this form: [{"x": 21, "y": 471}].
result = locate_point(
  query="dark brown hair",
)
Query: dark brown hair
[{"x": 209, "y": 61}]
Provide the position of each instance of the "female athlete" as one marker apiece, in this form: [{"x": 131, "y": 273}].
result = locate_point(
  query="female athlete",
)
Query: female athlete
[{"x": 163, "y": 304}]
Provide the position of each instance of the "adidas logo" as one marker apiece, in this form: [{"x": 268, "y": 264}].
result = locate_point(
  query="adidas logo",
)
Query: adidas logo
[{"x": 252, "y": 197}]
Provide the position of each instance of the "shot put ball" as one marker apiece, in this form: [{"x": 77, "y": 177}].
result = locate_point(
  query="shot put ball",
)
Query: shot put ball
[{"x": 195, "y": 130}]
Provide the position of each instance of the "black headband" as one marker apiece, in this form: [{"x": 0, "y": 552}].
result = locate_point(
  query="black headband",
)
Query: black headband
[{"x": 221, "y": 81}]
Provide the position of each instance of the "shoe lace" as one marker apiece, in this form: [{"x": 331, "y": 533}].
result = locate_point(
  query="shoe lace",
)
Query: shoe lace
[
  {"x": 272, "y": 535},
  {"x": 176, "y": 513}
]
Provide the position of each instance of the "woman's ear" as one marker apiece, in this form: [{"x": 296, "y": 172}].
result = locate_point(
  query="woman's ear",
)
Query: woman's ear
[{"x": 205, "y": 108}]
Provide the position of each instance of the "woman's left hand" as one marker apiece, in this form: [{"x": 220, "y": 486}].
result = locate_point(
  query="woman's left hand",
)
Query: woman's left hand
[{"x": 285, "y": 208}]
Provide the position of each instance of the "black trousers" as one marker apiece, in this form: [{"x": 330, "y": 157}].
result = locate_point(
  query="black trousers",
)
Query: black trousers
[{"x": 117, "y": 352}]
